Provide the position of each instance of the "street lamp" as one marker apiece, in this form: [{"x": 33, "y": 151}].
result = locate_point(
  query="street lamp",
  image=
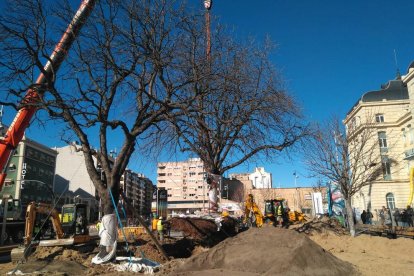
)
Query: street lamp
[{"x": 208, "y": 4}]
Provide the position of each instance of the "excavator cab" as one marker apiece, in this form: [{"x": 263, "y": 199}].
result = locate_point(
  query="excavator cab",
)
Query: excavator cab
[
  {"x": 74, "y": 219},
  {"x": 270, "y": 208}
]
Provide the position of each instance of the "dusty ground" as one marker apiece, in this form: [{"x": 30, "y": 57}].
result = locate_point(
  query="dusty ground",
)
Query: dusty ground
[
  {"x": 372, "y": 255},
  {"x": 329, "y": 251}
]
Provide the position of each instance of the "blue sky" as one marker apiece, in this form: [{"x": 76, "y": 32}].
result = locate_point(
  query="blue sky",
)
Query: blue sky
[{"x": 329, "y": 52}]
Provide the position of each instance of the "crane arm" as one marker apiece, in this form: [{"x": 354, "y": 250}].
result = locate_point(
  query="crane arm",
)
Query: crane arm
[{"x": 17, "y": 128}]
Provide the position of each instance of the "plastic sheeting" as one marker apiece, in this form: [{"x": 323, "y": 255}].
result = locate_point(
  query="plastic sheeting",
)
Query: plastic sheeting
[
  {"x": 134, "y": 264},
  {"x": 108, "y": 233}
]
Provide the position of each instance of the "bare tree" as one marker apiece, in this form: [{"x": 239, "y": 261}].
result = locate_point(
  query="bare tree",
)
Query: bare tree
[
  {"x": 128, "y": 73},
  {"x": 351, "y": 159},
  {"x": 245, "y": 112}
]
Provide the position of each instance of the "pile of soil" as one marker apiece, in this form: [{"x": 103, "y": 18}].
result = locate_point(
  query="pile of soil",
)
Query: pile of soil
[
  {"x": 265, "y": 251},
  {"x": 321, "y": 225}
]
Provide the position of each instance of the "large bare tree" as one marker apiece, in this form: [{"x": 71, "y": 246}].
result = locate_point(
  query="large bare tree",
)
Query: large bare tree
[
  {"x": 350, "y": 158},
  {"x": 244, "y": 112},
  {"x": 126, "y": 74}
]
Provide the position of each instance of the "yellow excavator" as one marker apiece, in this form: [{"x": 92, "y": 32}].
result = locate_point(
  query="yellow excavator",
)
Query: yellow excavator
[
  {"x": 71, "y": 230},
  {"x": 288, "y": 216},
  {"x": 252, "y": 214}
]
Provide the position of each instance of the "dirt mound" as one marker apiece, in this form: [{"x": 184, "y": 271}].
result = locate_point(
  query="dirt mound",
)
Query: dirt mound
[
  {"x": 149, "y": 251},
  {"x": 266, "y": 251},
  {"x": 322, "y": 225}
]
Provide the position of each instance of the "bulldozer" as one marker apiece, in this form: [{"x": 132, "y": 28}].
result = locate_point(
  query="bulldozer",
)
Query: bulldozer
[{"x": 70, "y": 228}]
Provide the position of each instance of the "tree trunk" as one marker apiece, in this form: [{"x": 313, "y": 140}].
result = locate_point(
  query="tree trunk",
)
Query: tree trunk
[
  {"x": 107, "y": 203},
  {"x": 350, "y": 217}
]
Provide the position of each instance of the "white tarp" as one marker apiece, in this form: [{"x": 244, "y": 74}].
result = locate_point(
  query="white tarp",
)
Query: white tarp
[
  {"x": 134, "y": 264},
  {"x": 108, "y": 233}
]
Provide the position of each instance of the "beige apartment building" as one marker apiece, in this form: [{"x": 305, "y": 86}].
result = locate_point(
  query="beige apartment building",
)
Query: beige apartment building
[
  {"x": 185, "y": 185},
  {"x": 389, "y": 111}
]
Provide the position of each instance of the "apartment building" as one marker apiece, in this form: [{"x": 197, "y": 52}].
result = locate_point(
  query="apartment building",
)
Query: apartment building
[
  {"x": 185, "y": 185},
  {"x": 389, "y": 113},
  {"x": 138, "y": 189}
]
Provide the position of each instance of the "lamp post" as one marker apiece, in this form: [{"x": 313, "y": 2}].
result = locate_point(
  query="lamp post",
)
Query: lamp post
[{"x": 208, "y": 4}]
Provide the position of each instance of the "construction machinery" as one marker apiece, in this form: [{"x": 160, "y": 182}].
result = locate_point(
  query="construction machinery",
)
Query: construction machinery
[
  {"x": 270, "y": 210},
  {"x": 70, "y": 229},
  {"x": 287, "y": 215},
  {"x": 11, "y": 220},
  {"x": 252, "y": 214}
]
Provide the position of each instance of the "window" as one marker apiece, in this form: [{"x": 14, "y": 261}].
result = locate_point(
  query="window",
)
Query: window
[
  {"x": 12, "y": 167},
  {"x": 379, "y": 118},
  {"x": 390, "y": 201},
  {"x": 382, "y": 138},
  {"x": 386, "y": 168},
  {"x": 8, "y": 183}
]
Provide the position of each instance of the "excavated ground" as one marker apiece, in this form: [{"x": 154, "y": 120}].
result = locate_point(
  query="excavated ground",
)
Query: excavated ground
[{"x": 318, "y": 247}]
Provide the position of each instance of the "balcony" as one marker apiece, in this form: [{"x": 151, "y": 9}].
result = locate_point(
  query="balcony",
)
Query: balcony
[{"x": 409, "y": 154}]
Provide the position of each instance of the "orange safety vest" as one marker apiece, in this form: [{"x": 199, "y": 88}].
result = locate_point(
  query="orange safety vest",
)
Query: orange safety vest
[{"x": 154, "y": 224}]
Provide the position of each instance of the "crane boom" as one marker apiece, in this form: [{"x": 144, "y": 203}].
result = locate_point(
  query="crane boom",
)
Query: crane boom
[{"x": 17, "y": 128}]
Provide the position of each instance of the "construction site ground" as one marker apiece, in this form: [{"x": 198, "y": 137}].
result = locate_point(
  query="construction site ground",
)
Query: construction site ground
[{"x": 320, "y": 247}]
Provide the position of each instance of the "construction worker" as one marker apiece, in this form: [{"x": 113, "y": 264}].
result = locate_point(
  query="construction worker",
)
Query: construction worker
[
  {"x": 154, "y": 224},
  {"x": 160, "y": 228},
  {"x": 279, "y": 214}
]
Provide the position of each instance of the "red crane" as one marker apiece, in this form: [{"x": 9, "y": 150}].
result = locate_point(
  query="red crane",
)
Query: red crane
[{"x": 17, "y": 128}]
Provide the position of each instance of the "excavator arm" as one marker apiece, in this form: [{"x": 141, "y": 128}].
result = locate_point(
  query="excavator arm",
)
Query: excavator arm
[
  {"x": 32, "y": 209},
  {"x": 17, "y": 128},
  {"x": 251, "y": 209}
]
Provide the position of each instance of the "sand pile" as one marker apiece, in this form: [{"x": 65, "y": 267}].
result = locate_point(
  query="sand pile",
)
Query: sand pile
[{"x": 265, "y": 251}]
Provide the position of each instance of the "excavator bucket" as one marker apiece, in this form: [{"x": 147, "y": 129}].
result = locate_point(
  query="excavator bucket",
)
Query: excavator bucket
[
  {"x": 78, "y": 239},
  {"x": 20, "y": 254},
  {"x": 57, "y": 242}
]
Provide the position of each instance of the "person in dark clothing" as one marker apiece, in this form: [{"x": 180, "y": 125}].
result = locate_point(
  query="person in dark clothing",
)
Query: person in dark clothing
[
  {"x": 364, "y": 217},
  {"x": 409, "y": 213},
  {"x": 397, "y": 217}
]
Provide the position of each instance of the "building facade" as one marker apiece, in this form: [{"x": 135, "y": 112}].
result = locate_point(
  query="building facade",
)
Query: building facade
[
  {"x": 390, "y": 111},
  {"x": 297, "y": 199},
  {"x": 185, "y": 185},
  {"x": 261, "y": 179},
  {"x": 138, "y": 189},
  {"x": 73, "y": 181},
  {"x": 30, "y": 173}
]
